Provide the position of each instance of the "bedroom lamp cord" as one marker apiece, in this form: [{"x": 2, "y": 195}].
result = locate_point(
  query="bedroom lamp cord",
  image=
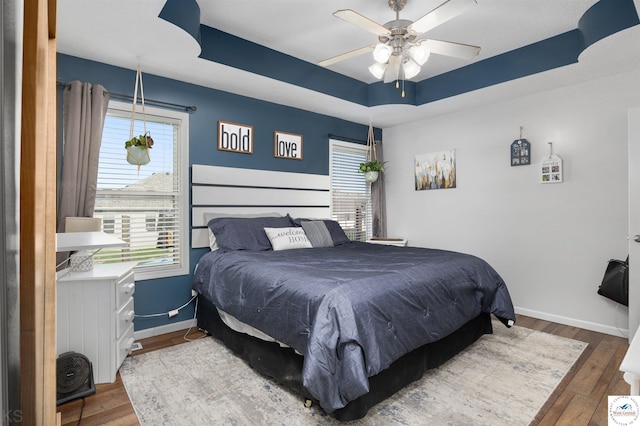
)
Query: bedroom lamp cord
[
  {"x": 204, "y": 333},
  {"x": 81, "y": 411},
  {"x": 166, "y": 313},
  {"x": 195, "y": 312}
]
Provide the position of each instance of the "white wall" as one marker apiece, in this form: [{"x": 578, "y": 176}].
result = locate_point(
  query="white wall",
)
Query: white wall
[{"x": 550, "y": 242}]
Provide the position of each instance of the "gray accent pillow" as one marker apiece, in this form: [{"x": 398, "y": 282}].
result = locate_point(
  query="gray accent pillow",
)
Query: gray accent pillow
[
  {"x": 317, "y": 233},
  {"x": 337, "y": 233}
]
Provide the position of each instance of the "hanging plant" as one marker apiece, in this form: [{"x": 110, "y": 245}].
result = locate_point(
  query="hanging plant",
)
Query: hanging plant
[
  {"x": 372, "y": 167},
  {"x": 138, "y": 150},
  {"x": 143, "y": 141},
  {"x": 138, "y": 146}
]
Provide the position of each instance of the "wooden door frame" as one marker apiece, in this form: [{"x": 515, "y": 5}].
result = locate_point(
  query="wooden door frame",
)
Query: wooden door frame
[
  {"x": 634, "y": 220},
  {"x": 38, "y": 215}
]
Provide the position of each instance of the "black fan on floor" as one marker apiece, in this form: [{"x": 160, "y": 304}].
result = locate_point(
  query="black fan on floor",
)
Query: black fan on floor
[{"x": 74, "y": 377}]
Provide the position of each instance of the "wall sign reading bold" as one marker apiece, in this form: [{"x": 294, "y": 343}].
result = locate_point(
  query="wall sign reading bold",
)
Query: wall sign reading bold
[
  {"x": 235, "y": 137},
  {"x": 287, "y": 145}
]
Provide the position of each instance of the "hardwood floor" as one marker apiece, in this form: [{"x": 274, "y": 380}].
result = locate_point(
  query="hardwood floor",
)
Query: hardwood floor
[{"x": 580, "y": 399}]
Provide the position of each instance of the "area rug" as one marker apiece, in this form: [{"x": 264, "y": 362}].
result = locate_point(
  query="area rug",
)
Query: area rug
[{"x": 502, "y": 379}]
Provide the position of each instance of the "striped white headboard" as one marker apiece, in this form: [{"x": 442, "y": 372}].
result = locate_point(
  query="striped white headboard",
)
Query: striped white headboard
[{"x": 241, "y": 191}]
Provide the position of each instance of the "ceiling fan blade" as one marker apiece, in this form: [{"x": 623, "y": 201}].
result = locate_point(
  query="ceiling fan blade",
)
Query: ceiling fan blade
[
  {"x": 346, "y": 55},
  {"x": 449, "y": 48},
  {"x": 441, "y": 14},
  {"x": 393, "y": 69},
  {"x": 361, "y": 21}
]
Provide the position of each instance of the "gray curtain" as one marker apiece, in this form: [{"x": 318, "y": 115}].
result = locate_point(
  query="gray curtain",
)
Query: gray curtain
[
  {"x": 378, "y": 199},
  {"x": 84, "y": 110}
]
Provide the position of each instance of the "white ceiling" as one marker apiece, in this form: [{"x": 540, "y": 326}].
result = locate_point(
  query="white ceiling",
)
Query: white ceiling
[{"x": 123, "y": 32}]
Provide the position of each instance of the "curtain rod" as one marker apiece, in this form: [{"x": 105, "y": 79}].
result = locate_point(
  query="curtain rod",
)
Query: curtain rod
[
  {"x": 190, "y": 108},
  {"x": 347, "y": 139}
]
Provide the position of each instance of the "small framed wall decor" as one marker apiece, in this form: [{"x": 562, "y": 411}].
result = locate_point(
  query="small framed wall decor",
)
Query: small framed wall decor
[
  {"x": 235, "y": 137},
  {"x": 520, "y": 151},
  {"x": 287, "y": 145},
  {"x": 551, "y": 168}
]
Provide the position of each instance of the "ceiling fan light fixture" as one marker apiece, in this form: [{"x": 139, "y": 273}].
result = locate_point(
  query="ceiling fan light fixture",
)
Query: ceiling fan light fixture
[
  {"x": 381, "y": 53},
  {"x": 377, "y": 69},
  {"x": 420, "y": 53},
  {"x": 410, "y": 68}
]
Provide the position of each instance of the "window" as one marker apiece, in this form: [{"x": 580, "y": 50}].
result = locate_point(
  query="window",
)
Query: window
[
  {"x": 350, "y": 193},
  {"x": 147, "y": 205}
]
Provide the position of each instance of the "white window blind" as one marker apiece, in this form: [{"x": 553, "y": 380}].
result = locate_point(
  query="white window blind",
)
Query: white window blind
[
  {"x": 145, "y": 206},
  {"x": 350, "y": 193}
]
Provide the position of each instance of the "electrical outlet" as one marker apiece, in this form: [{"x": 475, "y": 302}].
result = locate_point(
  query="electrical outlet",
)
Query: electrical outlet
[{"x": 193, "y": 293}]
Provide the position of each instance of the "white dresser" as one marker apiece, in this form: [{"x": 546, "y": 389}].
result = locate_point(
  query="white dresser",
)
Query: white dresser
[{"x": 95, "y": 316}]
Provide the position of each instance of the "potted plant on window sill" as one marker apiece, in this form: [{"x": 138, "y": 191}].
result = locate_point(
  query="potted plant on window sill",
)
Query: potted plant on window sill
[{"x": 138, "y": 149}]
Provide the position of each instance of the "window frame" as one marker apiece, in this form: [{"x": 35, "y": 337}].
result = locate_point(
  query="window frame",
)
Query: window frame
[
  {"x": 333, "y": 143},
  {"x": 165, "y": 271}
]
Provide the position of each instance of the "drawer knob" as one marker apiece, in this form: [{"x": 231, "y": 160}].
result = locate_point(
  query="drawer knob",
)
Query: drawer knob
[
  {"x": 130, "y": 316},
  {"x": 129, "y": 288}
]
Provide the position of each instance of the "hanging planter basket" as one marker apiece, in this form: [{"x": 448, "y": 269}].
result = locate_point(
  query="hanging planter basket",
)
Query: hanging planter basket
[
  {"x": 138, "y": 155},
  {"x": 138, "y": 146},
  {"x": 371, "y": 176},
  {"x": 372, "y": 167}
]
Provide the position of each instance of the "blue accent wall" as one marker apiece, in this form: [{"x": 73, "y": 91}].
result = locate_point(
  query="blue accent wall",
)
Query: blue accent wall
[{"x": 162, "y": 295}]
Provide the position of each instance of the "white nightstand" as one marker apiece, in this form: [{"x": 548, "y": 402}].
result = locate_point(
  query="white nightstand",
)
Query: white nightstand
[
  {"x": 400, "y": 242},
  {"x": 95, "y": 316}
]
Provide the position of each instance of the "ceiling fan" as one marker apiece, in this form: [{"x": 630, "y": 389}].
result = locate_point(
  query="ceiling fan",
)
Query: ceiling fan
[{"x": 402, "y": 48}]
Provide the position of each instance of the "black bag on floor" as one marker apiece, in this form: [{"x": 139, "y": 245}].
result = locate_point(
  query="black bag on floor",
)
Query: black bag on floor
[{"x": 615, "y": 283}]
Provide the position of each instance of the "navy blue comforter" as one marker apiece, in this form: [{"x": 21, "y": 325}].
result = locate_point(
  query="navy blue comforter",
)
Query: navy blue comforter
[{"x": 353, "y": 309}]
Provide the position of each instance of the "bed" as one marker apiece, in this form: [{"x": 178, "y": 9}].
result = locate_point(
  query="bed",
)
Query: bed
[{"x": 342, "y": 323}]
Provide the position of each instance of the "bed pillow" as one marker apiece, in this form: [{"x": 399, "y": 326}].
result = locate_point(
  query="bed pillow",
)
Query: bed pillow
[
  {"x": 317, "y": 233},
  {"x": 235, "y": 233},
  {"x": 208, "y": 216},
  {"x": 287, "y": 238},
  {"x": 337, "y": 233}
]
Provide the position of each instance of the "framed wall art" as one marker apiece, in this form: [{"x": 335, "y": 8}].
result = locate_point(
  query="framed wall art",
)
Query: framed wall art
[
  {"x": 520, "y": 152},
  {"x": 235, "y": 137},
  {"x": 436, "y": 170},
  {"x": 287, "y": 145},
  {"x": 551, "y": 168}
]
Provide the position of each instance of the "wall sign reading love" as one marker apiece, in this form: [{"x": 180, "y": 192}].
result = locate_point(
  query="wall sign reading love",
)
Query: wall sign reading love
[{"x": 287, "y": 145}]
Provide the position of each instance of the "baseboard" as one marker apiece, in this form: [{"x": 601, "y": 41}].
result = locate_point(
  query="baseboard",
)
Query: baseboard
[
  {"x": 164, "y": 329},
  {"x": 587, "y": 325},
  {"x": 614, "y": 331}
]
